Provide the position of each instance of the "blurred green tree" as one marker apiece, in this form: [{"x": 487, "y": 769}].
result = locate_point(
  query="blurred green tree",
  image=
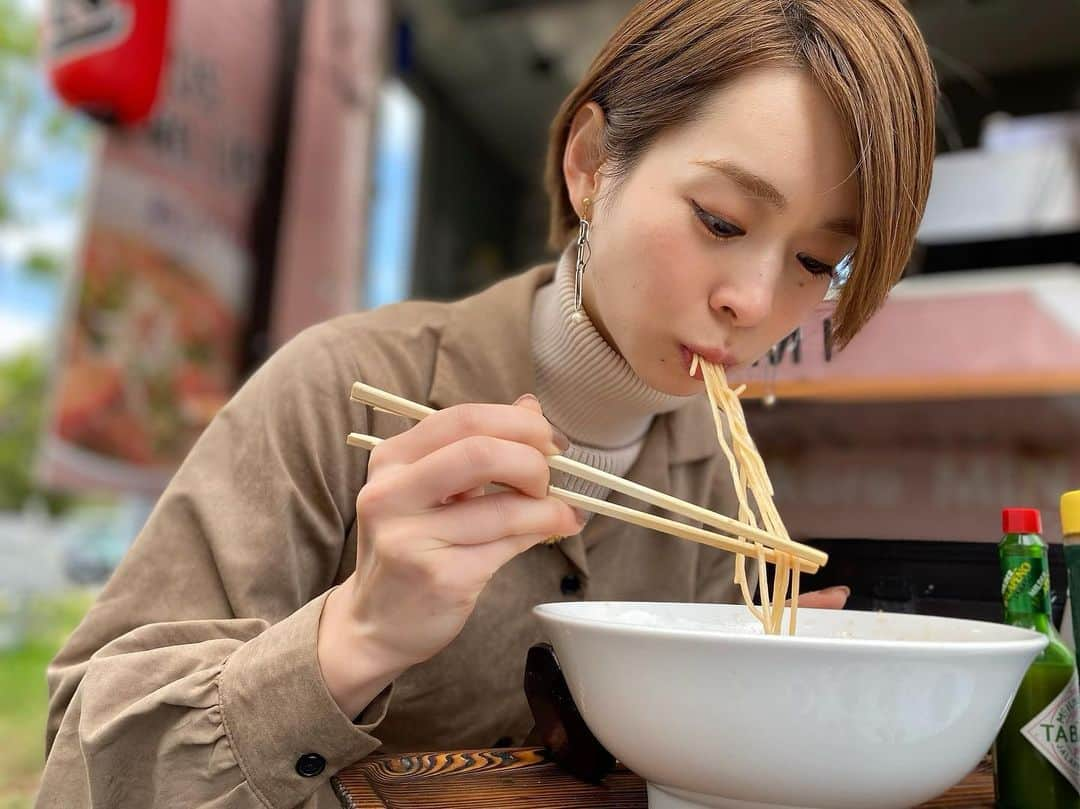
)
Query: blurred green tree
[
  {"x": 33, "y": 129},
  {"x": 18, "y": 50},
  {"x": 23, "y": 381}
]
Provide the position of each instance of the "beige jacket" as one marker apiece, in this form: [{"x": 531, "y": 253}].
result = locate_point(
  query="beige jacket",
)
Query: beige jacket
[{"x": 194, "y": 681}]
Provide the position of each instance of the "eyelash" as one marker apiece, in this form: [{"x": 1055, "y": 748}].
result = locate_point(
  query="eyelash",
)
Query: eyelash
[{"x": 710, "y": 221}]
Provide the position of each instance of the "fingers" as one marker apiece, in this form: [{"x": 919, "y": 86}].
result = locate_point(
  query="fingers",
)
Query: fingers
[
  {"x": 523, "y": 423},
  {"x": 834, "y": 598},
  {"x": 491, "y": 556},
  {"x": 529, "y": 402},
  {"x": 456, "y": 469},
  {"x": 494, "y": 517},
  {"x": 456, "y": 498}
]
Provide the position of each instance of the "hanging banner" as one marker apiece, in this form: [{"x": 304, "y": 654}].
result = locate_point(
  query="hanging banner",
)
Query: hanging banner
[
  {"x": 230, "y": 221},
  {"x": 159, "y": 303}
]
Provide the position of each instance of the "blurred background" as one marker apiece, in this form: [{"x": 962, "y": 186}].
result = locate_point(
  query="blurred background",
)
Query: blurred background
[{"x": 184, "y": 185}]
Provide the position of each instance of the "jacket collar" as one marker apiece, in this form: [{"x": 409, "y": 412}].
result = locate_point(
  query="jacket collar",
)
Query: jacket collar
[{"x": 484, "y": 354}]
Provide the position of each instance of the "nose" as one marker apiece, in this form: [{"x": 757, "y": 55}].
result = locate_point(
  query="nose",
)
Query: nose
[{"x": 747, "y": 297}]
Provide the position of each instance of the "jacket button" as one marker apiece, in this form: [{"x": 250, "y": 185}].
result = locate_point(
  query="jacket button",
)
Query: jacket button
[
  {"x": 310, "y": 764},
  {"x": 570, "y": 584}
]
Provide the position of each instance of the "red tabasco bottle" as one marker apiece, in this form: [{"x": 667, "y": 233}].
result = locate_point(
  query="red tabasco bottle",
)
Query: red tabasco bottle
[{"x": 1036, "y": 763}]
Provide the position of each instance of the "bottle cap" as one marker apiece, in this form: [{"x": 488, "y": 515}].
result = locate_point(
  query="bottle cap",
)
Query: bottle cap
[
  {"x": 1070, "y": 512},
  {"x": 1021, "y": 521}
]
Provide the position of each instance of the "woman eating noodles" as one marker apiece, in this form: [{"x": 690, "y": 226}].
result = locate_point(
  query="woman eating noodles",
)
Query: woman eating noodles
[{"x": 293, "y": 605}]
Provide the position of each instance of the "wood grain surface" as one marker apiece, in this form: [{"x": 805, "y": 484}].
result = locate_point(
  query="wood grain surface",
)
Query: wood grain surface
[{"x": 521, "y": 777}]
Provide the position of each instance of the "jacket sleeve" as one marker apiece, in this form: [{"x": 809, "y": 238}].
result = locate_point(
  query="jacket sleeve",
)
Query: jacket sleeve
[{"x": 194, "y": 680}]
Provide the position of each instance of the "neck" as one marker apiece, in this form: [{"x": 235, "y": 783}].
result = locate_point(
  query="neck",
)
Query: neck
[{"x": 585, "y": 386}]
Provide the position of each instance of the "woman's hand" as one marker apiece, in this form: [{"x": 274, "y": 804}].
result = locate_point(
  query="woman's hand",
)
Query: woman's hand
[
  {"x": 833, "y": 598},
  {"x": 429, "y": 539}
]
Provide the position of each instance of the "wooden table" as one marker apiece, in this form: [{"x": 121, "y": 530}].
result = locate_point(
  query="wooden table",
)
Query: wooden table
[{"x": 521, "y": 777}]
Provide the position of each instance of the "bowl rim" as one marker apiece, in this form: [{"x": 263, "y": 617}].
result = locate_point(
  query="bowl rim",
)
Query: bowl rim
[{"x": 1025, "y": 639}]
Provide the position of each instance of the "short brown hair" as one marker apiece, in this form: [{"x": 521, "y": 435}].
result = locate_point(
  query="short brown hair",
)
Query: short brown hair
[{"x": 668, "y": 56}]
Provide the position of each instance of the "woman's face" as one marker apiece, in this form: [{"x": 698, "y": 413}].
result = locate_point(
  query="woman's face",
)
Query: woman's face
[{"x": 724, "y": 236}]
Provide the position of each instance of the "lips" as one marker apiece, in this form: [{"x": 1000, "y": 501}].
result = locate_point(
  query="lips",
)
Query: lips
[{"x": 716, "y": 356}]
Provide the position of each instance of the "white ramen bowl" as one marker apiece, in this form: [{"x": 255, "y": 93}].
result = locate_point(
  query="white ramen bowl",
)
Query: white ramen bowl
[{"x": 861, "y": 710}]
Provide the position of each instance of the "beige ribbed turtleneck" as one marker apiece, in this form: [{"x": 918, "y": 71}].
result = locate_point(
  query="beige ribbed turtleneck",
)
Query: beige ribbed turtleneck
[{"x": 586, "y": 388}]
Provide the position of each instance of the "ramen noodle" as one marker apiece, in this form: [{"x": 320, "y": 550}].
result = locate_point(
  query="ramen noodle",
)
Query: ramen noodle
[{"x": 754, "y": 492}]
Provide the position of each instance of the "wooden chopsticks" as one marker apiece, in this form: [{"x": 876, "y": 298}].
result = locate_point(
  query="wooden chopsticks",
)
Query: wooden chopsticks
[{"x": 810, "y": 558}]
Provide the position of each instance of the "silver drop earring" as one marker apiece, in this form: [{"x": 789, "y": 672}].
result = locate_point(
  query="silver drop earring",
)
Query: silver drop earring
[
  {"x": 584, "y": 253},
  {"x": 775, "y": 357},
  {"x": 769, "y": 398}
]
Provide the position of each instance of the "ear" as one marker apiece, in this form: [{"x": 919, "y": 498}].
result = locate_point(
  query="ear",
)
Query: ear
[{"x": 582, "y": 158}]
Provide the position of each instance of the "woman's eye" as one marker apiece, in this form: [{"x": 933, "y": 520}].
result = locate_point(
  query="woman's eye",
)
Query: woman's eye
[
  {"x": 717, "y": 227},
  {"x": 815, "y": 267}
]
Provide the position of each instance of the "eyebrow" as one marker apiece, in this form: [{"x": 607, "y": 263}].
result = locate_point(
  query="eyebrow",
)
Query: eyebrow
[
  {"x": 760, "y": 188},
  {"x": 751, "y": 183},
  {"x": 843, "y": 226}
]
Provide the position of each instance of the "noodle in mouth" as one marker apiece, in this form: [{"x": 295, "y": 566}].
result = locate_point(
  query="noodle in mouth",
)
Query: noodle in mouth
[{"x": 751, "y": 483}]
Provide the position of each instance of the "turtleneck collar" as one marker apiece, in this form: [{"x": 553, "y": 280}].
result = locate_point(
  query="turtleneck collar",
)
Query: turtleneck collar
[{"x": 584, "y": 385}]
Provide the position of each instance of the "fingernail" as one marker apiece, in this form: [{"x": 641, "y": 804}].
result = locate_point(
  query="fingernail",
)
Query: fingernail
[
  {"x": 560, "y": 439},
  {"x": 841, "y": 589},
  {"x": 527, "y": 397},
  {"x": 582, "y": 516}
]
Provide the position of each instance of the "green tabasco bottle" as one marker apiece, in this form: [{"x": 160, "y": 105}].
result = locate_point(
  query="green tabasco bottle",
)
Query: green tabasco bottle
[{"x": 1036, "y": 762}]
